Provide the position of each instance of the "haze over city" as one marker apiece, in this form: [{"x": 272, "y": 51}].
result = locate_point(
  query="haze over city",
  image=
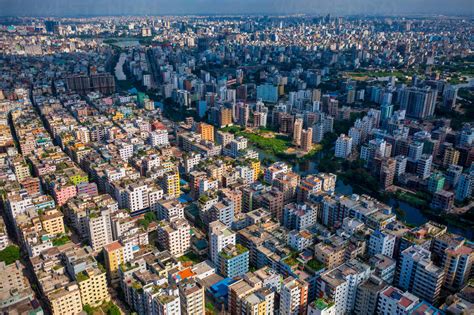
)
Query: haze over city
[{"x": 162, "y": 7}]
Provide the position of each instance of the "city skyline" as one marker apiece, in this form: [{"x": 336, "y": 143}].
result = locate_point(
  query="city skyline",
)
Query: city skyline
[
  {"x": 279, "y": 163},
  {"x": 58, "y": 8}
]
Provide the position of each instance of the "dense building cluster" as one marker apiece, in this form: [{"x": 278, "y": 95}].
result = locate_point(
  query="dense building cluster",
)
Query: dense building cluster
[{"x": 156, "y": 166}]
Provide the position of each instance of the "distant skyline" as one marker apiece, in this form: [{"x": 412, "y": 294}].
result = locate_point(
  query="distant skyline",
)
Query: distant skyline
[{"x": 69, "y": 8}]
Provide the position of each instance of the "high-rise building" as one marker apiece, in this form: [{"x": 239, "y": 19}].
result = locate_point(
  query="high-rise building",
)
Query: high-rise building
[
  {"x": 386, "y": 169},
  {"x": 93, "y": 286},
  {"x": 339, "y": 285},
  {"x": 423, "y": 166},
  {"x": 384, "y": 267},
  {"x": 234, "y": 260},
  {"x": 103, "y": 83},
  {"x": 259, "y": 302},
  {"x": 206, "y": 131},
  {"x": 307, "y": 139},
  {"x": 225, "y": 117},
  {"x": 343, "y": 146},
  {"x": 99, "y": 229},
  {"x": 175, "y": 236},
  {"x": 435, "y": 182},
  {"x": 452, "y": 175},
  {"x": 450, "y": 94},
  {"x": 418, "y": 102},
  {"x": 415, "y": 150},
  {"x": 219, "y": 237},
  {"x": 293, "y": 296},
  {"x": 419, "y": 275},
  {"x": 450, "y": 157},
  {"x": 52, "y": 222},
  {"x": 170, "y": 182},
  {"x": 273, "y": 202},
  {"x": 386, "y": 111},
  {"x": 442, "y": 200},
  {"x": 139, "y": 196},
  {"x": 202, "y": 108},
  {"x": 158, "y": 138},
  {"x": 381, "y": 243},
  {"x": 367, "y": 295},
  {"x": 116, "y": 254},
  {"x": 297, "y": 129},
  {"x": 401, "y": 165},
  {"x": 465, "y": 186},
  {"x": 299, "y": 216},
  {"x": 222, "y": 211},
  {"x": 394, "y": 301},
  {"x": 267, "y": 93},
  {"x": 191, "y": 295},
  {"x": 66, "y": 300}
]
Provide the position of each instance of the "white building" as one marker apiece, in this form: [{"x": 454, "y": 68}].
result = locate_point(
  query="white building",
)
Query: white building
[
  {"x": 293, "y": 296},
  {"x": 394, "y": 301},
  {"x": 175, "y": 236},
  {"x": 381, "y": 243},
  {"x": 168, "y": 209},
  {"x": 419, "y": 275},
  {"x": 99, "y": 229},
  {"x": 343, "y": 146},
  {"x": 355, "y": 134},
  {"x": 159, "y": 138},
  {"x": 219, "y": 237},
  {"x": 339, "y": 285},
  {"x": 140, "y": 196},
  {"x": 423, "y": 166},
  {"x": 126, "y": 151},
  {"x": 273, "y": 170},
  {"x": 238, "y": 144},
  {"x": 191, "y": 160}
]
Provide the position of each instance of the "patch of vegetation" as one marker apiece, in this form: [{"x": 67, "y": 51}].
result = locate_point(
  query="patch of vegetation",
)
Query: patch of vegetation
[
  {"x": 81, "y": 276},
  {"x": 108, "y": 308},
  {"x": 190, "y": 257},
  {"x": 10, "y": 254},
  {"x": 210, "y": 308},
  {"x": 61, "y": 240},
  {"x": 276, "y": 145},
  {"x": 315, "y": 264},
  {"x": 399, "y": 74},
  {"x": 232, "y": 129},
  {"x": 147, "y": 219},
  {"x": 417, "y": 200}
]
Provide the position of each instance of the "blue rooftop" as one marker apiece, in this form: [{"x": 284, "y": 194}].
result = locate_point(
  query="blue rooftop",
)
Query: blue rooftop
[{"x": 221, "y": 289}]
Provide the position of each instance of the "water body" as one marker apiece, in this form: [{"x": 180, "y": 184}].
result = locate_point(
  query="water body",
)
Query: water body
[
  {"x": 414, "y": 216},
  {"x": 119, "y": 74}
]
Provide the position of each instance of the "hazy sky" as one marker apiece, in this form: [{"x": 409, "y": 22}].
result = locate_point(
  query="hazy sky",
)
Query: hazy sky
[{"x": 157, "y": 7}]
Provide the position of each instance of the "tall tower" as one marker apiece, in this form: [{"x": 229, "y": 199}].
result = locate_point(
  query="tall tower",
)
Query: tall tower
[{"x": 298, "y": 127}]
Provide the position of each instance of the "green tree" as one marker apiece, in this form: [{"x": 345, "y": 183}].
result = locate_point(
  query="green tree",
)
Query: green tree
[
  {"x": 88, "y": 309},
  {"x": 10, "y": 254}
]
